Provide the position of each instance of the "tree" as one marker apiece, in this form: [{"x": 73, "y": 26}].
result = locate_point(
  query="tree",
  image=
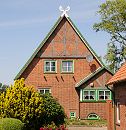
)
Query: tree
[
  {"x": 22, "y": 102},
  {"x": 113, "y": 21}
]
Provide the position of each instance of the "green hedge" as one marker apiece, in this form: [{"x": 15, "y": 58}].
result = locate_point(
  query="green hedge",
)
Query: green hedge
[{"x": 11, "y": 124}]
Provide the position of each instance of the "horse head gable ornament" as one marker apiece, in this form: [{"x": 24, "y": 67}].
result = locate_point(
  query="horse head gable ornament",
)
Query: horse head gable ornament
[{"x": 64, "y": 11}]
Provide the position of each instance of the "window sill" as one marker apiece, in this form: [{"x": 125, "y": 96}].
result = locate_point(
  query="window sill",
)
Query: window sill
[
  {"x": 50, "y": 72},
  {"x": 94, "y": 101},
  {"x": 67, "y": 72}
]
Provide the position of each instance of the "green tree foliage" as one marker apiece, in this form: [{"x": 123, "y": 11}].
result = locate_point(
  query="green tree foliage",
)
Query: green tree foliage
[
  {"x": 54, "y": 112},
  {"x": 22, "y": 102},
  {"x": 11, "y": 124},
  {"x": 113, "y": 21}
]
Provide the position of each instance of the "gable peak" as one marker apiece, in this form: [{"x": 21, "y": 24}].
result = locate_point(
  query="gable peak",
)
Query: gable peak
[{"x": 64, "y": 11}]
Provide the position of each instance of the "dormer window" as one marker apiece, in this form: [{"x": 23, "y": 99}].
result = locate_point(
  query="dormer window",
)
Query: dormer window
[
  {"x": 89, "y": 95},
  {"x": 104, "y": 95},
  {"x": 95, "y": 95}
]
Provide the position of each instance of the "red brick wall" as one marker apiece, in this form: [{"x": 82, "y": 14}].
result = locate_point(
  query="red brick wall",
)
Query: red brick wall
[
  {"x": 120, "y": 95},
  {"x": 98, "y": 108},
  {"x": 110, "y": 114},
  {"x": 62, "y": 85}
]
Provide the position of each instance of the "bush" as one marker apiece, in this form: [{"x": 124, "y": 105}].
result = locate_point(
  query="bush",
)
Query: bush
[
  {"x": 11, "y": 124},
  {"x": 22, "y": 102},
  {"x": 54, "y": 112}
]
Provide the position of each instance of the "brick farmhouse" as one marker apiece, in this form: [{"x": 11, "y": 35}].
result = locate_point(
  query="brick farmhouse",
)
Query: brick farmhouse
[
  {"x": 66, "y": 66},
  {"x": 118, "y": 115}
]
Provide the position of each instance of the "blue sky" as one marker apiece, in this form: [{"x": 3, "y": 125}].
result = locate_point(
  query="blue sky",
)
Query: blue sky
[{"x": 25, "y": 23}]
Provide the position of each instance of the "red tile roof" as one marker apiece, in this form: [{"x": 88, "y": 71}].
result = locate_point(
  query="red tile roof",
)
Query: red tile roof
[{"x": 119, "y": 76}]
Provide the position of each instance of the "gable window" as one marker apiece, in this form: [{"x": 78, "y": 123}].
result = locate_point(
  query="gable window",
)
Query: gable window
[
  {"x": 67, "y": 66},
  {"x": 104, "y": 94},
  {"x": 72, "y": 115},
  {"x": 118, "y": 112},
  {"x": 44, "y": 90},
  {"x": 89, "y": 95},
  {"x": 50, "y": 66}
]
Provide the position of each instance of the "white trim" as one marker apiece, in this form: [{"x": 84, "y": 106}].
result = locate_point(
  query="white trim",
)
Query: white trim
[
  {"x": 104, "y": 95},
  {"x": 39, "y": 89},
  {"x": 89, "y": 94},
  {"x": 118, "y": 112},
  {"x": 50, "y": 71},
  {"x": 81, "y": 93},
  {"x": 67, "y": 66}
]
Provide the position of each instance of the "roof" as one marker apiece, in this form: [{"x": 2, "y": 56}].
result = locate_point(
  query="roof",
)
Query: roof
[
  {"x": 91, "y": 75},
  {"x": 47, "y": 37},
  {"x": 119, "y": 76}
]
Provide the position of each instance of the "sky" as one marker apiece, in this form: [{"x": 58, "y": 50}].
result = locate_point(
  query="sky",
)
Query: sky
[{"x": 25, "y": 23}]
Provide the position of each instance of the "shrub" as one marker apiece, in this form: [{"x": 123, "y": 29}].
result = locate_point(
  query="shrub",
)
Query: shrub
[
  {"x": 11, "y": 124},
  {"x": 22, "y": 102},
  {"x": 54, "y": 112}
]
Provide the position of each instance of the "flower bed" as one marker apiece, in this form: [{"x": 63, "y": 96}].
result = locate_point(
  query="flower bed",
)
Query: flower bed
[{"x": 62, "y": 127}]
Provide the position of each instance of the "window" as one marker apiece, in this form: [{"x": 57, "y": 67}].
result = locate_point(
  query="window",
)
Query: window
[
  {"x": 50, "y": 66},
  {"x": 44, "y": 90},
  {"x": 118, "y": 112},
  {"x": 95, "y": 95},
  {"x": 104, "y": 94},
  {"x": 67, "y": 66},
  {"x": 72, "y": 115},
  {"x": 93, "y": 116},
  {"x": 89, "y": 95}
]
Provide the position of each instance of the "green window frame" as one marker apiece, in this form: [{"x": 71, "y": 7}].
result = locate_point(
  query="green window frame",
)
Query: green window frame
[
  {"x": 95, "y": 95},
  {"x": 104, "y": 95},
  {"x": 67, "y": 66},
  {"x": 89, "y": 95},
  {"x": 72, "y": 114},
  {"x": 44, "y": 90},
  {"x": 50, "y": 66}
]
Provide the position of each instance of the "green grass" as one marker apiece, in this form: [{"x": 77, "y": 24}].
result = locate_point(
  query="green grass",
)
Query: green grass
[{"x": 88, "y": 123}]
